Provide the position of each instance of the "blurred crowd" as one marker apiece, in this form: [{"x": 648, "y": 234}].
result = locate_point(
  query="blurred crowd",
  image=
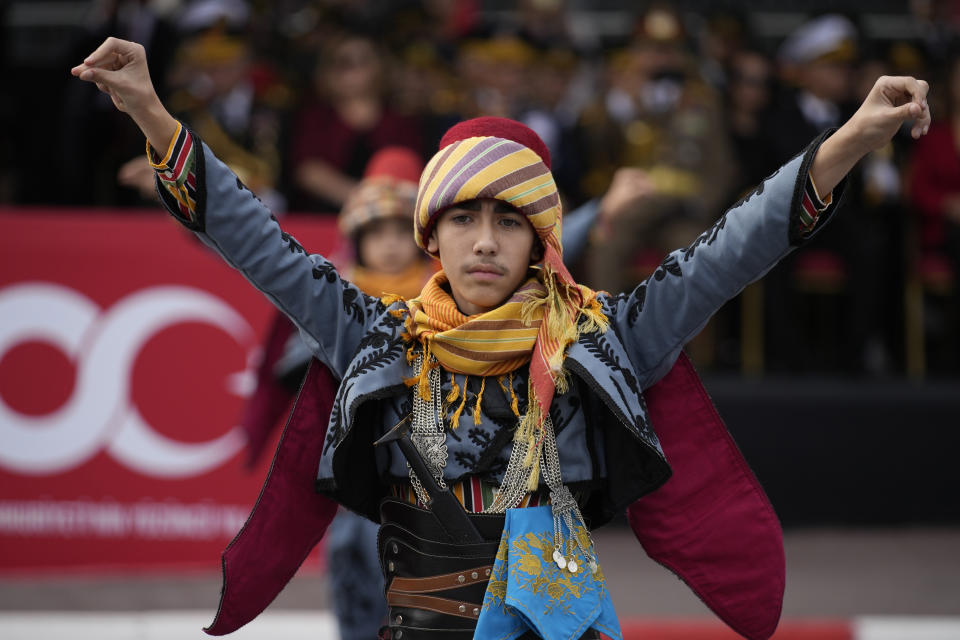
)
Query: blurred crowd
[{"x": 296, "y": 95}]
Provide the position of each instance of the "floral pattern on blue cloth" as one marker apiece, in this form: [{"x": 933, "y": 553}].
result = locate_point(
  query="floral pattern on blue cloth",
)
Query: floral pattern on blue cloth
[{"x": 529, "y": 591}]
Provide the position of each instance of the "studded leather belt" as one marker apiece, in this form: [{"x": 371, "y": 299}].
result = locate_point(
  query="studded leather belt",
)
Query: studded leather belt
[{"x": 435, "y": 587}]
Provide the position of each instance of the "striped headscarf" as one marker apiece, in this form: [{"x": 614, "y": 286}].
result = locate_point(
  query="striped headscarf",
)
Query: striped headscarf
[{"x": 504, "y": 160}]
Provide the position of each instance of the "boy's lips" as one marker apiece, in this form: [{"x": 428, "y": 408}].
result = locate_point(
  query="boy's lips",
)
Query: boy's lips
[{"x": 485, "y": 271}]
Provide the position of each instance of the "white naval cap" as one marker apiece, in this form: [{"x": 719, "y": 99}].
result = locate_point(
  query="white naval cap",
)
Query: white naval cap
[{"x": 830, "y": 36}]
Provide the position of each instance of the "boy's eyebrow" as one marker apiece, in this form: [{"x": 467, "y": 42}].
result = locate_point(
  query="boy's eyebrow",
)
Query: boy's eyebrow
[
  {"x": 500, "y": 206},
  {"x": 469, "y": 205}
]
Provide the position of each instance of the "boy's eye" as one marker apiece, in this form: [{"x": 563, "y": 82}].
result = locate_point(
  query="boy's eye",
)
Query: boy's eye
[
  {"x": 510, "y": 222},
  {"x": 461, "y": 218}
]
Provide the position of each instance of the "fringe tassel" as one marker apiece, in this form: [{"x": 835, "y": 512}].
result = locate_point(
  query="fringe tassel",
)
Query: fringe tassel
[
  {"x": 388, "y": 299},
  {"x": 454, "y": 389},
  {"x": 595, "y": 318},
  {"x": 529, "y": 429},
  {"x": 455, "y": 419},
  {"x": 534, "y": 481},
  {"x": 565, "y": 307},
  {"x": 421, "y": 381},
  {"x": 477, "y": 409},
  {"x": 503, "y": 385}
]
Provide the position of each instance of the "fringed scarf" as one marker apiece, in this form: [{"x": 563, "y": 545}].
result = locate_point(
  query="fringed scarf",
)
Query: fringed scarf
[{"x": 536, "y": 325}]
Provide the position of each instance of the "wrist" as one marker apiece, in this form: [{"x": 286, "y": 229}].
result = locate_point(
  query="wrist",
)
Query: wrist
[
  {"x": 157, "y": 125},
  {"x": 836, "y": 156},
  {"x": 853, "y": 141}
]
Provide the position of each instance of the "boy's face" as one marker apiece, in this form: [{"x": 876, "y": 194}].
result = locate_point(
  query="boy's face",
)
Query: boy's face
[
  {"x": 485, "y": 247},
  {"x": 387, "y": 246}
]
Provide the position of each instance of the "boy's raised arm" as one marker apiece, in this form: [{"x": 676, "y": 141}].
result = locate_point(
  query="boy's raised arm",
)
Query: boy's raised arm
[
  {"x": 788, "y": 208},
  {"x": 202, "y": 192}
]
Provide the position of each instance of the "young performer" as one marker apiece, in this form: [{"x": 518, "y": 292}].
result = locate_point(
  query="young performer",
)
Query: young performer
[{"x": 508, "y": 403}]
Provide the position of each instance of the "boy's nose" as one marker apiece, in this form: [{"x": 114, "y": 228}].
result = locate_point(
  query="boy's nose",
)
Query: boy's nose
[{"x": 485, "y": 241}]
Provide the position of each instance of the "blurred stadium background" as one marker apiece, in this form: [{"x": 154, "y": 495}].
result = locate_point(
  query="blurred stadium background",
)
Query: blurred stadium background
[{"x": 126, "y": 351}]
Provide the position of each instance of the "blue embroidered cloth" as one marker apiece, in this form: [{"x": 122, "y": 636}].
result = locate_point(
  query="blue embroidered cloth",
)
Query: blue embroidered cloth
[{"x": 527, "y": 589}]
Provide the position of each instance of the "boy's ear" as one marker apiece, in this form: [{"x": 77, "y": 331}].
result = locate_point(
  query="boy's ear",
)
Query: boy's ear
[
  {"x": 433, "y": 247},
  {"x": 536, "y": 252}
]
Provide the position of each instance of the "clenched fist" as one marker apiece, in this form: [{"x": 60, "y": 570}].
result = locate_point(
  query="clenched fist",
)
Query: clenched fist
[{"x": 119, "y": 69}]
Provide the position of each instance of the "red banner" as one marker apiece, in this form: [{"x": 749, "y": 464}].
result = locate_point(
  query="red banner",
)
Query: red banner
[{"x": 127, "y": 350}]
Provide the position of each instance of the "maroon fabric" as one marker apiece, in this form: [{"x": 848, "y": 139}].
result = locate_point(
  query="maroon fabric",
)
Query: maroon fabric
[
  {"x": 711, "y": 523},
  {"x": 933, "y": 179},
  {"x": 323, "y": 135},
  {"x": 490, "y": 126},
  {"x": 271, "y": 399},
  {"x": 289, "y": 517}
]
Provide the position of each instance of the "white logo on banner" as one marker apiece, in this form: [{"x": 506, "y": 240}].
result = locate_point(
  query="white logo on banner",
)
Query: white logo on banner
[{"x": 100, "y": 414}]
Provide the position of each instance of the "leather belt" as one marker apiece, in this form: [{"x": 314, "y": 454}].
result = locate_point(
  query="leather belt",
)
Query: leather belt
[
  {"x": 438, "y": 583},
  {"x": 445, "y": 606}
]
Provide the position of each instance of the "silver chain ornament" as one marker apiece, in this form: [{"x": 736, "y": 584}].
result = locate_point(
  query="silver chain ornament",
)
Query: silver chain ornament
[
  {"x": 566, "y": 511},
  {"x": 429, "y": 435}
]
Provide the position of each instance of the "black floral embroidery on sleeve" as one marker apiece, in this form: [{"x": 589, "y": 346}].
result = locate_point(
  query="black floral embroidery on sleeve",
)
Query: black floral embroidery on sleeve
[
  {"x": 325, "y": 270},
  {"x": 292, "y": 244},
  {"x": 669, "y": 265},
  {"x": 708, "y": 237},
  {"x": 756, "y": 191},
  {"x": 351, "y": 302},
  {"x": 243, "y": 187},
  {"x": 636, "y": 307}
]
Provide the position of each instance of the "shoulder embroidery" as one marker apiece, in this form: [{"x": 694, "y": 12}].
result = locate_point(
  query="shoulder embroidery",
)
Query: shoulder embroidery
[
  {"x": 600, "y": 348},
  {"x": 382, "y": 350}
]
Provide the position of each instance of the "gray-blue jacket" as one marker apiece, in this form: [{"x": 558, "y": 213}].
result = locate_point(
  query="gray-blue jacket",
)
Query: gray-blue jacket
[{"x": 609, "y": 451}]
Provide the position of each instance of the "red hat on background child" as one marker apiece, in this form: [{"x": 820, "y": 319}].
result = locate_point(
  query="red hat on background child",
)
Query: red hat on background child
[{"x": 388, "y": 190}]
